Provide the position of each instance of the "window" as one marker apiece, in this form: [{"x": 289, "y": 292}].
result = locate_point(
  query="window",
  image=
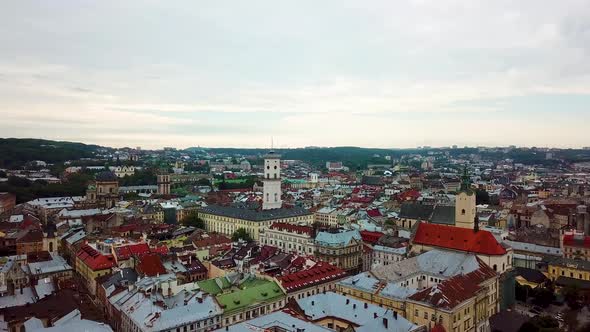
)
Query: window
[
  {"x": 425, "y": 315},
  {"x": 416, "y": 313},
  {"x": 463, "y": 212}
]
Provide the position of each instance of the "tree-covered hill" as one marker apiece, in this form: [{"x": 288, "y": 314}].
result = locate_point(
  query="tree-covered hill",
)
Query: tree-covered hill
[{"x": 16, "y": 152}]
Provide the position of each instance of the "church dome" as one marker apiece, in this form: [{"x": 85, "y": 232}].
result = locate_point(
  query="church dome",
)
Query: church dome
[{"x": 106, "y": 176}]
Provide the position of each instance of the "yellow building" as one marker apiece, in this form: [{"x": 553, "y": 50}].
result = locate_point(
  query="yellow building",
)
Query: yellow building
[
  {"x": 568, "y": 268},
  {"x": 91, "y": 264},
  {"x": 459, "y": 303},
  {"x": 227, "y": 219}
]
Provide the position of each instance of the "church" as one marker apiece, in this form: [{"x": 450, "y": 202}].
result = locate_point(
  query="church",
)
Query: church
[{"x": 227, "y": 219}]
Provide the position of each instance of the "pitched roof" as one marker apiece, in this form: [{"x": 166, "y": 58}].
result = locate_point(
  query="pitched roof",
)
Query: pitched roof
[
  {"x": 457, "y": 238},
  {"x": 151, "y": 265},
  {"x": 320, "y": 273},
  {"x": 416, "y": 211},
  {"x": 451, "y": 292},
  {"x": 371, "y": 237},
  {"x": 94, "y": 259},
  {"x": 247, "y": 213},
  {"x": 340, "y": 238},
  {"x": 571, "y": 240},
  {"x": 282, "y": 226},
  {"x": 127, "y": 251}
]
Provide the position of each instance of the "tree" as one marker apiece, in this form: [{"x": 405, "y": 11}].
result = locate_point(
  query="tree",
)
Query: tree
[
  {"x": 193, "y": 220},
  {"x": 543, "y": 297},
  {"x": 482, "y": 197},
  {"x": 540, "y": 324},
  {"x": 241, "y": 234}
]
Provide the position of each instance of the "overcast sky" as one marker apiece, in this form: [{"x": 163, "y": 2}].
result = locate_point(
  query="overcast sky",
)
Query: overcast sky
[{"x": 325, "y": 73}]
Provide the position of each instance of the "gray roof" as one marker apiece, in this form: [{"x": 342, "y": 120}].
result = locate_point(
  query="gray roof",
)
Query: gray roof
[
  {"x": 335, "y": 305},
  {"x": 250, "y": 214},
  {"x": 443, "y": 214},
  {"x": 106, "y": 176},
  {"x": 416, "y": 211},
  {"x": 436, "y": 214},
  {"x": 337, "y": 239},
  {"x": 439, "y": 263},
  {"x": 282, "y": 320}
]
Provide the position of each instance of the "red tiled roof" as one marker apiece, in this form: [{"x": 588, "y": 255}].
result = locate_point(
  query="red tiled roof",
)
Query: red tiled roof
[
  {"x": 162, "y": 250},
  {"x": 374, "y": 213},
  {"x": 571, "y": 241},
  {"x": 214, "y": 239},
  {"x": 125, "y": 252},
  {"x": 371, "y": 237},
  {"x": 94, "y": 259},
  {"x": 320, "y": 273},
  {"x": 150, "y": 265},
  {"x": 282, "y": 226},
  {"x": 457, "y": 238},
  {"x": 454, "y": 291}
]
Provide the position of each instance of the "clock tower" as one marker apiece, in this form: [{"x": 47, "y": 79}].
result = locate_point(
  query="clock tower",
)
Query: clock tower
[{"x": 272, "y": 182}]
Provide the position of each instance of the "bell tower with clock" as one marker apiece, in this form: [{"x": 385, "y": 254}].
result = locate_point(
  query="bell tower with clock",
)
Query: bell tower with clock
[{"x": 272, "y": 182}]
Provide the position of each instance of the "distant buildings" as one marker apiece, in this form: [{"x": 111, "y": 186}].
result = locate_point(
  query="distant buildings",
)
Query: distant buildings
[
  {"x": 227, "y": 219},
  {"x": 7, "y": 202}
]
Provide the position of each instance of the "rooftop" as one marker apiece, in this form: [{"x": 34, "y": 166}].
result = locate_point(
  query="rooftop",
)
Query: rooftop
[
  {"x": 363, "y": 316},
  {"x": 248, "y": 213},
  {"x": 279, "y": 319},
  {"x": 336, "y": 239},
  {"x": 457, "y": 238},
  {"x": 320, "y": 273},
  {"x": 438, "y": 263}
]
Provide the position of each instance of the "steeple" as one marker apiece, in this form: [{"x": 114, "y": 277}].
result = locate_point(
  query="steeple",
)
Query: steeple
[{"x": 466, "y": 181}]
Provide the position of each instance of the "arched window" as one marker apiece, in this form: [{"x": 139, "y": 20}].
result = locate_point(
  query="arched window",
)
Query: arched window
[
  {"x": 276, "y": 197},
  {"x": 463, "y": 212},
  {"x": 495, "y": 267},
  {"x": 267, "y": 197}
]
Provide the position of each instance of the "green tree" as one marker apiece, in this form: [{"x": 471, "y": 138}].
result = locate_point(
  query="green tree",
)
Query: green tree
[
  {"x": 482, "y": 197},
  {"x": 540, "y": 324},
  {"x": 193, "y": 220},
  {"x": 241, "y": 234}
]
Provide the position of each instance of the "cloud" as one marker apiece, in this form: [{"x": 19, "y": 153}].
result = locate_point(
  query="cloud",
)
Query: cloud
[{"x": 397, "y": 73}]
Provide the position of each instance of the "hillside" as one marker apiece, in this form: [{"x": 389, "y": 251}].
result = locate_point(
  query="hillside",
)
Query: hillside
[{"x": 16, "y": 152}]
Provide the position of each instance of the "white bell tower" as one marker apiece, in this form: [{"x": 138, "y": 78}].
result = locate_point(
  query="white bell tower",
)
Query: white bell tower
[{"x": 272, "y": 182}]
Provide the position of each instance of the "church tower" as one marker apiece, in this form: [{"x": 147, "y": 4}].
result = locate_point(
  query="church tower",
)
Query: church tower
[
  {"x": 272, "y": 182},
  {"x": 465, "y": 212}
]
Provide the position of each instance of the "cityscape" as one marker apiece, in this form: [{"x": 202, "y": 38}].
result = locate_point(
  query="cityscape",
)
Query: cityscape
[{"x": 304, "y": 166}]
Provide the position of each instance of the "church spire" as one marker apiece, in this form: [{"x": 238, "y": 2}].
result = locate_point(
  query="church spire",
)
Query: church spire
[{"x": 465, "y": 181}]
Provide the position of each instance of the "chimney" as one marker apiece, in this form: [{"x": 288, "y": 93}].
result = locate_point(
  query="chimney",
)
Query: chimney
[
  {"x": 366, "y": 305},
  {"x": 385, "y": 322},
  {"x": 395, "y": 315}
]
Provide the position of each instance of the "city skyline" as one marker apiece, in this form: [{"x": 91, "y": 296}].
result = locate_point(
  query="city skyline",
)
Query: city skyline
[{"x": 393, "y": 75}]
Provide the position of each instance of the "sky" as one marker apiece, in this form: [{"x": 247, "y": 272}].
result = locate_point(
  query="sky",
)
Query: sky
[{"x": 378, "y": 73}]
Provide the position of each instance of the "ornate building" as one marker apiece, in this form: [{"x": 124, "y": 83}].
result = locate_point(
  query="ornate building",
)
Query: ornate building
[{"x": 104, "y": 191}]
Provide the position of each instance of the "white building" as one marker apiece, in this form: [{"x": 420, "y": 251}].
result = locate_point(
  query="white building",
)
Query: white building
[
  {"x": 272, "y": 182},
  {"x": 160, "y": 304},
  {"x": 386, "y": 255},
  {"x": 289, "y": 237}
]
